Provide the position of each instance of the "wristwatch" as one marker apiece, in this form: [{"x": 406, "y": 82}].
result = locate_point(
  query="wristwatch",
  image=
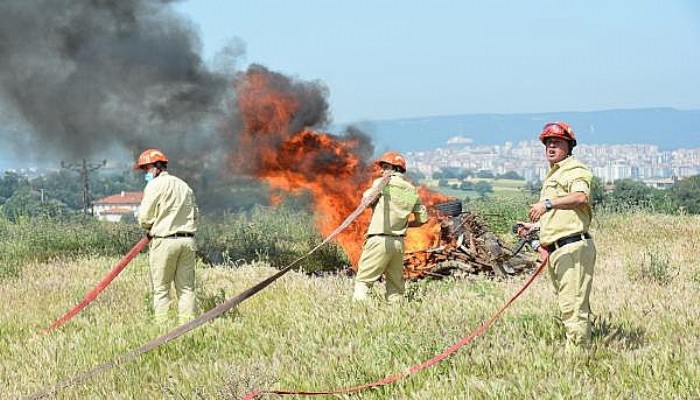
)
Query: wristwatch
[{"x": 548, "y": 204}]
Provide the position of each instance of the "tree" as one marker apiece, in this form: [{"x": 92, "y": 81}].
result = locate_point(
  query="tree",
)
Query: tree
[
  {"x": 511, "y": 175},
  {"x": 482, "y": 188},
  {"x": 466, "y": 185},
  {"x": 686, "y": 193},
  {"x": 485, "y": 174},
  {"x": 63, "y": 186},
  {"x": 108, "y": 184},
  {"x": 630, "y": 194},
  {"x": 450, "y": 173},
  {"x": 9, "y": 184},
  {"x": 597, "y": 192},
  {"x": 26, "y": 202},
  {"x": 465, "y": 173}
]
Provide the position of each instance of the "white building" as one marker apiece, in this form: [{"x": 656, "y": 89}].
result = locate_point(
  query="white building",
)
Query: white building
[{"x": 112, "y": 208}]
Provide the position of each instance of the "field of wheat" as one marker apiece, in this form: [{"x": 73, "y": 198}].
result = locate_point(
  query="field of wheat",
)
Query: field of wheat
[{"x": 304, "y": 332}]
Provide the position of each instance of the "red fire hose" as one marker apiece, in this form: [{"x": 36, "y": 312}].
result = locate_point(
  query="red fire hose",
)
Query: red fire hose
[
  {"x": 92, "y": 294},
  {"x": 206, "y": 317},
  {"x": 214, "y": 312},
  {"x": 417, "y": 367}
]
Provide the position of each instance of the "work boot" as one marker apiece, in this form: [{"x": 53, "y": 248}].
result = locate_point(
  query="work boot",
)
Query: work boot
[{"x": 362, "y": 290}]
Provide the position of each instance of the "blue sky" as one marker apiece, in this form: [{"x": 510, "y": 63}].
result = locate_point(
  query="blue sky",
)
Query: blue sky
[{"x": 393, "y": 59}]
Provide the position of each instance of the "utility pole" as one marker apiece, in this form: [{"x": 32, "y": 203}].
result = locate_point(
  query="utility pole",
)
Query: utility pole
[
  {"x": 42, "y": 201},
  {"x": 84, "y": 170}
]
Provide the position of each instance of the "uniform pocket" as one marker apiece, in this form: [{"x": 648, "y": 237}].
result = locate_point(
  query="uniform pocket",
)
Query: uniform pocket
[{"x": 553, "y": 189}]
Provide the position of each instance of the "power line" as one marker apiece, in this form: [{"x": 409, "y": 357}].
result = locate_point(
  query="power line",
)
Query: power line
[{"x": 84, "y": 168}]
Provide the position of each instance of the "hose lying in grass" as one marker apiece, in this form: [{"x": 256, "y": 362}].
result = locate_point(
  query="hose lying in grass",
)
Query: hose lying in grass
[
  {"x": 216, "y": 311},
  {"x": 92, "y": 295},
  {"x": 417, "y": 367}
]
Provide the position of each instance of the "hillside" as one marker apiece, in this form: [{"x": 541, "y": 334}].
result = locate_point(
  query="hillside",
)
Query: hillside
[{"x": 666, "y": 127}]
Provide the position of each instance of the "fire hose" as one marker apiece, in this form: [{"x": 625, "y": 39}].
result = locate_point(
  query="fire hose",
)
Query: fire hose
[
  {"x": 92, "y": 294},
  {"x": 417, "y": 367},
  {"x": 216, "y": 311}
]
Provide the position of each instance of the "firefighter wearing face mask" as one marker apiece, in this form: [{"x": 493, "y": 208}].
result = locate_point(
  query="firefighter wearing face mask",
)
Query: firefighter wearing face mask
[
  {"x": 564, "y": 215},
  {"x": 169, "y": 212},
  {"x": 383, "y": 249}
]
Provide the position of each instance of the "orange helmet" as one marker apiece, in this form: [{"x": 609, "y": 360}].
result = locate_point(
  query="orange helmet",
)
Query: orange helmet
[
  {"x": 558, "y": 129},
  {"x": 150, "y": 156},
  {"x": 393, "y": 158}
]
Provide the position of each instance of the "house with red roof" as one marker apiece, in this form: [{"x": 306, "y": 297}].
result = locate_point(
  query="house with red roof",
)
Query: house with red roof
[{"x": 113, "y": 208}]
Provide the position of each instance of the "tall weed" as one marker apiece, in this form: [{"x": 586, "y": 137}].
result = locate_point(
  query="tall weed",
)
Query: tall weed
[
  {"x": 501, "y": 212},
  {"x": 652, "y": 266},
  {"x": 41, "y": 239}
]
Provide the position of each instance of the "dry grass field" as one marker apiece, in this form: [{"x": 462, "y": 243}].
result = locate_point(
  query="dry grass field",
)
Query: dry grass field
[{"x": 303, "y": 332}]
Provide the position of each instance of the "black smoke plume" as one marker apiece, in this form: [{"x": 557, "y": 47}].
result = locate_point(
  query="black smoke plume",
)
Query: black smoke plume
[{"x": 85, "y": 75}]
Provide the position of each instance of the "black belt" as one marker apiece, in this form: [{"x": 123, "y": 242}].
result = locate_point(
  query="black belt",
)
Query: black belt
[
  {"x": 385, "y": 235},
  {"x": 178, "y": 235},
  {"x": 567, "y": 240}
]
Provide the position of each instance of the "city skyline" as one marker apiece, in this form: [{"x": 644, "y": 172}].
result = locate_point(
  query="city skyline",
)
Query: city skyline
[
  {"x": 641, "y": 162},
  {"x": 644, "y": 162}
]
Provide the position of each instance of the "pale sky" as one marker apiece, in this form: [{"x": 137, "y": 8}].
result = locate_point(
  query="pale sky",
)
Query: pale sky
[{"x": 409, "y": 58}]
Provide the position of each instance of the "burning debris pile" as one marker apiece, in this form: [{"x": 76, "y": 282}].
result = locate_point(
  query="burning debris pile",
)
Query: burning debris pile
[
  {"x": 277, "y": 141},
  {"x": 462, "y": 246}
]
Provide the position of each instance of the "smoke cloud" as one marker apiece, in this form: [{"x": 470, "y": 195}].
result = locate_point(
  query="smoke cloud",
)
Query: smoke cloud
[{"x": 85, "y": 75}]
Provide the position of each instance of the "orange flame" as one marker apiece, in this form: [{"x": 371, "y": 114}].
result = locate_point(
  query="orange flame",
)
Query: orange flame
[{"x": 299, "y": 159}]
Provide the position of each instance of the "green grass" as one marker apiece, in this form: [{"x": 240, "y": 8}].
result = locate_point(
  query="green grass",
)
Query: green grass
[
  {"x": 304, "y": 332},
  {"x": 500, "y": 187},
  {"x": 39, "y": 239},
  {"x": 274, "y": 235}
]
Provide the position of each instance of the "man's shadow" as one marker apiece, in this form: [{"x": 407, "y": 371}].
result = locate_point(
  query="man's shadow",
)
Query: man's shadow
[{"x": 610, "y": 334}]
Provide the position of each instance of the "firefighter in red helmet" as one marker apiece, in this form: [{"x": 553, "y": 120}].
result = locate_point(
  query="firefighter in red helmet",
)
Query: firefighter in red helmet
[
  {"x": 564, "y": 216},
  {"x": 169, "y": 212},
  {"x": 383, "y": 249}
]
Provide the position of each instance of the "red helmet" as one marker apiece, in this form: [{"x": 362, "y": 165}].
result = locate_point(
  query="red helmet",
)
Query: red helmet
[
  {"x": 393, "y": 158},
  {"x": 558, "y": 129},
  {"x": 150, "y": 156}
]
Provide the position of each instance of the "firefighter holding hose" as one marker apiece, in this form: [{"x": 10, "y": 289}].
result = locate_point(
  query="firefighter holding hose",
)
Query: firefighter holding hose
[
  {"x": 169, "y": 212},
  {"x": 564, "y": 216},
  {"x": 383, "y": 248}
]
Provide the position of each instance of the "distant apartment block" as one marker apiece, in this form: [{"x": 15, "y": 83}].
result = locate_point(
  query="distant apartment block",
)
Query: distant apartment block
[{"x": 608, "y": 162}]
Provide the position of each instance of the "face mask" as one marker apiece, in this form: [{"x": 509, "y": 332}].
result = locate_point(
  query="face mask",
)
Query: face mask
[{"x": 148, "y": 177}]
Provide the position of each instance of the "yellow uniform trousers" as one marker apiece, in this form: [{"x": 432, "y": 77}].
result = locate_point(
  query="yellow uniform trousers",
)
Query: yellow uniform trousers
[
  {"x": 571, "y": 270},
  {"x": 172, "y": 260},
  {"x": 381, "y": 255}
]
